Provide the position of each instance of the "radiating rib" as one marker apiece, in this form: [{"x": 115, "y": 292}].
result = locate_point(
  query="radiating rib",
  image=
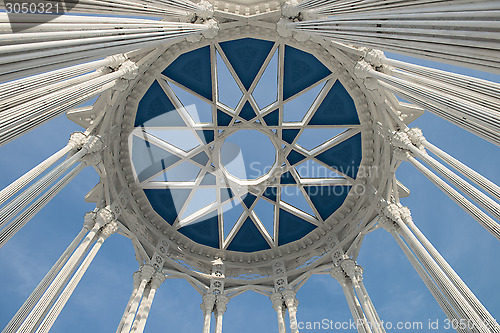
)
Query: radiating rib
[{"x": 456, "y": 32}]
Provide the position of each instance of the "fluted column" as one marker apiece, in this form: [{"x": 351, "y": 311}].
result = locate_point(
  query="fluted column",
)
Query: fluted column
[
  {"x": 357, "y": 313},
  {"x": 220, "y": 308},
  {"x": 207, "y": 307},
  {"x": 462, "y": 306},
  {"x": 349, "y": 267},
  {"x": 137, "y": 281},
  {"x": 291, "y": 304},
  {"x": 97, "y": 220},
  {"x": 359, "y": 278},
  {"x": 76, "y": 141},
  {"x": 54, "y": 312},
  {"x": 35, "y": 296},
  {"x": 147, "y": 301},
  {"x": 147, "y": 272},
  {"x": 278, "y": 306}
]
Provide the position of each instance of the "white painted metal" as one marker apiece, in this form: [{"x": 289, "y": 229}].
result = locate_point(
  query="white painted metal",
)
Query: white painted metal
[{"x": 49, "y": 67}]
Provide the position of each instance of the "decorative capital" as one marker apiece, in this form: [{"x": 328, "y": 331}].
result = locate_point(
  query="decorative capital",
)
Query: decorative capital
[
  {"x": 405, "y": 214},
  {"x": 93, "y": 144},
  {"x": 109, "y": 229},
  {"x": 157, "y": 280},
  {"x": 208, "y": 303},
  {"x": 137, "y": 278},
  {"x": 349, "y": 267},
  {"x": 362, "y": 69},
  {"x": 104, "y": 216},
  {"x": 281, "y": 28},
  {"x": 116, "y": 60},
  {"x": 205, "y": 10},
  {"x": 358, "y": 273},
  {"x": 387, "y": 224},
  {"x": 289, "y": 297},
  {"x": 213, "y": 28},
  {"x": 417, "y": 137},
  {"x": 338, "y": 274},
  {"x": 277, "y": 300},
  {"x": 221, "y": 303},
  {"x": 89, "y": 220},
  {"x": 147, "y": 272},
  {"x": 376, "y": 58},
  {"x": 77, "y": 140},
  {"x": 290, "y": 9},
  {"x": 129, "y": 69},
  {"x": 401, "y": 139}
]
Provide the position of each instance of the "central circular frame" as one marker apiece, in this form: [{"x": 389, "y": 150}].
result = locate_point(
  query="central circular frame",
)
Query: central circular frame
[{"x": 155, "y": 227}]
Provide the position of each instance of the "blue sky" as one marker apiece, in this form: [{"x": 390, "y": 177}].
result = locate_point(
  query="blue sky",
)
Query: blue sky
[{"x": 395, "y": 288}]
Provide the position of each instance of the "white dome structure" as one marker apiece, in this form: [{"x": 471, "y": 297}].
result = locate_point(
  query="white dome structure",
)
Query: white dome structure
[{"x": 249, "y": 145}]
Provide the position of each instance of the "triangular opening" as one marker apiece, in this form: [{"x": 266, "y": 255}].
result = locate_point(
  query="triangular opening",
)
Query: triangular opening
[
  {"x": 289, "y": 135},
  {"x": 229, "y": 92},
  {"x": 292, "y": 228},
  {"x": 293, "y": 196},
  {"x": 270, "y": 193},
  {"x": 203, "y": 231},
  {"x": 209, "y": 179},
  {"x": 246, "y": 57},
  {"x": 266, "y": 91},
  {"x": 155, "y": 109},
  {"x": 182, "y": 139},
  {"x": 310, "y": 138},
  {"x": 184, "y": 172},
  {"x": 231, "y": 214},
  {"x": 295, "y": 109},
  {"x": 294, "y": 157},
  {"x": 327, "y": 199},
  {"x": 201, "y": 158},
  {"x": 223, "y": 119},
  {"x": 201, "y": 198},
  {"x": 312, "y": 169},
  {"x": 206, "y": 136},
  {"x": 247, "y": 112},
  {"x": 167, "y": 202},
  {"x": 248, "y": 239},
  {"x": 337, "y": 108},
  {"x": 287, "y": 178},
  {"x": 199, "y": 110},
  {"x": 345, "y": 156},
  {"x": 193, "y": 71},
  {"x": 301, "y": 70},
  {"x": 265, "y": 213},
  {"x": 249, "y": 200},
  {"x": 149, "y": 159},
  {"x": 272, "y": 119}
]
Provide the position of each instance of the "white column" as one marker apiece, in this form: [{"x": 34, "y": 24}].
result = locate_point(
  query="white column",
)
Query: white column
[
  {"x": 147, "y": 301},
  {"x": 220, "y": 308},
  {"x": 20, "y": 221},
  {"x": 462, "y": 306},
  {"x": 424, "y": 275},
  {"x": 291, "y": 304},
  {"x": 419, "y": 32},
  {"x": 76, "y": 141},
  {"x": 450, "y": 273},
  {"x": 278, "y": 306},
  {"x": 147, "y": 272},
  {"x": 359, "y": 278},
  {"x": 207, "y": 307},
  {"x": 54, "y": 312},
  {"x": 487, "y": 222},
  {"x": 35, "y": 296},
  {"x": 52, "y": 292},
  {"x": 349, "y": 267},
  {"x": 357, "y": 314},
  {"x": 137, "y": 281}
]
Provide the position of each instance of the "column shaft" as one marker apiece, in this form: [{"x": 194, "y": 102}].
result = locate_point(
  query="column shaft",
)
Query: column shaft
[
  {"x": 10, "y": 230},
  {"x": 54, "y": 312},
  {"x": 35, "y": 296},
  {"x": 49, "y": 297},
  {"x": 129, "y": 320}
]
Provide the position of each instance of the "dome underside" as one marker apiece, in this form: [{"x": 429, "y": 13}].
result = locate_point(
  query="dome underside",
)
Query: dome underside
[{"x": 246, "y": 88}]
